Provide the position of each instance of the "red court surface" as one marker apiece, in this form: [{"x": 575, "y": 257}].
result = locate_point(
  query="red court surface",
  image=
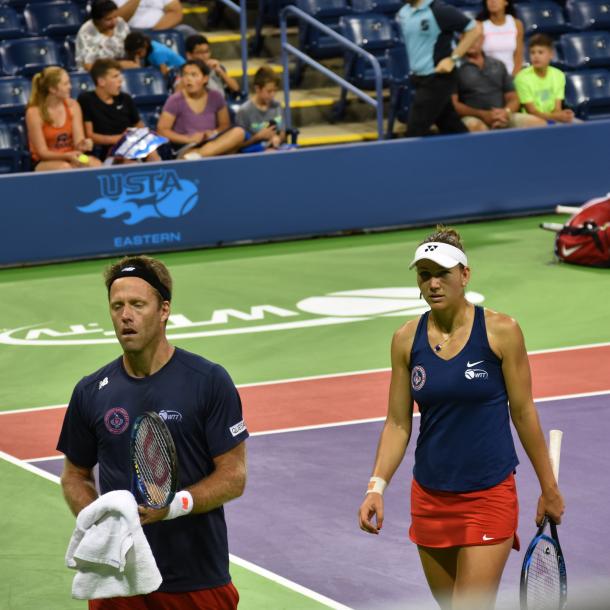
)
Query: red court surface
[{"x": 344, "y": 398}]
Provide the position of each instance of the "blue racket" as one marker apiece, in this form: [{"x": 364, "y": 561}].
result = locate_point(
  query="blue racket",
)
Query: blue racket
[
  {"x": 154, "y": 461},
  {"x": 544, "y": 583}
]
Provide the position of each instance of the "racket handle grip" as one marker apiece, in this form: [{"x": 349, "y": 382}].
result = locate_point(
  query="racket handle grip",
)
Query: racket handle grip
[
  {"x": 551, "y": 226},
  {"x": 555, "y": 437},
  {"x": 566, "y": 209}
]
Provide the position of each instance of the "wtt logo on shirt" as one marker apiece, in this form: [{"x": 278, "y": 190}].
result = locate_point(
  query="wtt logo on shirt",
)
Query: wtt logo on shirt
[{"x": 141, "y": 195}]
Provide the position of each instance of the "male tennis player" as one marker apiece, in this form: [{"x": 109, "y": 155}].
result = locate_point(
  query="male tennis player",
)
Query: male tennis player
[
  {"x": 467, "y": 369},
  {"x": 202, "y": 410}
]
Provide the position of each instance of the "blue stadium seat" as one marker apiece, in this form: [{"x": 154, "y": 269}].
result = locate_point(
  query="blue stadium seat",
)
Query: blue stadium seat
[
  {"x": 147, "y": 86},
  {"x": 588, "y": 93},
  {"x": 585, "y": 50},
  {"x": 81, "y": 81},
  {"x": 542, "y": 17},
  {"x": 171, "y": 38},
  {"x": 14, "y": 96},
  {"x": 10, "y": 23},
  {"x": 10, "y": 155},
  {"x": 55, "y": 19},
  {"x": 589, "y": 14},
  {"x": 26, "y": 56},
  {"x": 388, "y": 7}
]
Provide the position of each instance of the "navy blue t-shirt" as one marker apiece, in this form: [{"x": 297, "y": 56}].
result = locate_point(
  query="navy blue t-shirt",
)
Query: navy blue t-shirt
[
  {"x": 464, "y": 441},
  {"x": 202, "y": 409}
]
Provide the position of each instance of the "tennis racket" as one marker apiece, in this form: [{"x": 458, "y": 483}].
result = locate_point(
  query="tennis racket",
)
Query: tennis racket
[
  {"x": 154, "y": 461},
  {"x": 544, "y": 584}
]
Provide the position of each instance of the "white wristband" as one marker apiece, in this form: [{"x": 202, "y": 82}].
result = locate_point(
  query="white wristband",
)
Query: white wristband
[
  {"x": 181, "y": 505},
  {"x": 376, "y": 486}
]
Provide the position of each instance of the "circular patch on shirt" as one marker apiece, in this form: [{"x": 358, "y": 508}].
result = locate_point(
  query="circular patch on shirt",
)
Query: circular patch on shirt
[
  {"x": 418, "y": 377},
  {"x": 116, "y": 420}
]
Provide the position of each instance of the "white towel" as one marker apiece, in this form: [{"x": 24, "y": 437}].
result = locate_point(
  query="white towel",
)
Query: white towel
[{"x": 110, "y": 551}]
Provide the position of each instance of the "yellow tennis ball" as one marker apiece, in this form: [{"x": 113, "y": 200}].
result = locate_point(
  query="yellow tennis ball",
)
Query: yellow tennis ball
[{"x": 83, "y": 158}]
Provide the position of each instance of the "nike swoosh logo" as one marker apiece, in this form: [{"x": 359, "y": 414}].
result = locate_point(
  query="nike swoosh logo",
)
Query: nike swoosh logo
[
  {"x": 568, "y": 251},
  {"x": 486, "y": 537},
  {"x": 469, "y": 364}
]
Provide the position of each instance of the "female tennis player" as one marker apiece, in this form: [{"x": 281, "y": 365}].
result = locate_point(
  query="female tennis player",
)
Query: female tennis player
[{"x": 466, "y": 367}]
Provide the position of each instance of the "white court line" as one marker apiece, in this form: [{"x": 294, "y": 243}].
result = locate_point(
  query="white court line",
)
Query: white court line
[
  {"x": 353, "y": 422},
  {"x": 289, "y": 584},
  {"x": 327, "y": 376}
]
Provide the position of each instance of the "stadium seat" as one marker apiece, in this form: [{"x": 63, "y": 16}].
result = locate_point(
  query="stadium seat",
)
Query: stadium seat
[
  {"x": 376, "y": 34},
  {"x": 268, "y": 12},
  {"x": 10, "y": 154},
  {"x": 171, "y": 38},
  {"x": 81, "y": 81},
  {"x": 68, "y": 52},
  {"x": 589, "y": 14},
  {"x": 542, "y": 17},
  {"x": 388, "y": 7},
  {"x": 588, "y": 93},
  {"x": 26, "y": 56},
  {"x": 312, "y": 41},
  {"x": 10, "y": 23},
  {"x": 54, "y": 19},
  {"x": 14, "y": 96},
  {"x": 147, "y": 87},
  {"x": 585, "y": 50}
]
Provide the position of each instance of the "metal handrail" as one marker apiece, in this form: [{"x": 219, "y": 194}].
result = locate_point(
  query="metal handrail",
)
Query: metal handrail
[
  {"x": 243, "y": 29},
  {"x": 288, "y": 48}
]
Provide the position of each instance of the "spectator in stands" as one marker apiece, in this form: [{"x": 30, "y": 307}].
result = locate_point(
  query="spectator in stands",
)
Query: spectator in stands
[
  {"x": 486, "y": 97},
  {"x": 503, "y": 34},
  {"x": 102, "y": 36},
  {"x": 428, "y": 27},
  {"x": 55, "y": 124},
  {"x": 198, "y": 47},
  {"x": 541, "y": 87},
  {"x": 261, "y": 116},
  {"x": 140, "y": 50},
  {"x": 197, "y": 119},
  {"x": 154, "y": 15},
  {"x": 108, "y": 111}
]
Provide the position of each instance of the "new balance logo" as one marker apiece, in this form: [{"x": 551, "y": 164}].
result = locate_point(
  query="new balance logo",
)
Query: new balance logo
[{"x": 102, "y": 383}]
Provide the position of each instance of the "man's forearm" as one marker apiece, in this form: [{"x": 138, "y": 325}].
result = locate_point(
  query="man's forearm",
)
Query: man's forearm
[
  {"x": 169, "y": 20},
  {"x": 78, "y": 492},
  {"x": 218, "y": 489}
]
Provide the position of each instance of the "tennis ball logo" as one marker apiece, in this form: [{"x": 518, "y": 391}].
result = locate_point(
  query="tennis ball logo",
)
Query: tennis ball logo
[
  {"x": 469, "y": 374},
  {"x": 403, "y": 301}
]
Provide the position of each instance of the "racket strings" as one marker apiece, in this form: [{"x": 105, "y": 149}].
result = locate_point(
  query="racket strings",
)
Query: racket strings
[
  {"x": 543, "y": 583},
  {"x": 153, "y": 462}
]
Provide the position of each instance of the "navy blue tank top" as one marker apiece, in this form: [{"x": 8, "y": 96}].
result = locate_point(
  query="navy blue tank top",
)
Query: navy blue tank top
[{"x": 464, "y": 441}]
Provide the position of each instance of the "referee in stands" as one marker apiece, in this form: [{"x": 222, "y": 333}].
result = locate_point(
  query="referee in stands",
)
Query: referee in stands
[{"x": 428, "y": 28}]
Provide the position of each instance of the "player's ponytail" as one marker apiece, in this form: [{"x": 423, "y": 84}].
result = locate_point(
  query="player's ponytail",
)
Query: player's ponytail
[{"x": 41, "y": 87}]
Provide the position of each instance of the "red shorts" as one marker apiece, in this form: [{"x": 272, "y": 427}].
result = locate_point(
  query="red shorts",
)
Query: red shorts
[
  {"x": 442, "y": 519},
  {"x": 218, "y": 598}
]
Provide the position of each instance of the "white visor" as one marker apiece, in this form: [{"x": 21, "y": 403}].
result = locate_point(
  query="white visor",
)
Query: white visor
[{"x": 442, "y": 254}]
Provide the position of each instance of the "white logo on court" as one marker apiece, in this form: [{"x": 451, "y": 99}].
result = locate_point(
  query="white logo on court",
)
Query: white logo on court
[
  {"x": 102, "y": 383},
  {"x": 343, "y": 307},
  {"x": 486, "y": 537}
]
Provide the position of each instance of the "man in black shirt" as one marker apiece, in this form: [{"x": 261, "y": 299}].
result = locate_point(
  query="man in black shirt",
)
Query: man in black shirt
[
  {"x": 108, "y": 111},
  {"x": 486, "y": 97}
]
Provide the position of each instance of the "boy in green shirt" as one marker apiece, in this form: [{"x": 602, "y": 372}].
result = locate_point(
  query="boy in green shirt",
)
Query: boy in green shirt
[{"x": 541, "y": 87}]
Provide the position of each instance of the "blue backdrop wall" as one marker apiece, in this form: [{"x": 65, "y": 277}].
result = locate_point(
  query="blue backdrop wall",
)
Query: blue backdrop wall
[{"x": 153, "y": 207}]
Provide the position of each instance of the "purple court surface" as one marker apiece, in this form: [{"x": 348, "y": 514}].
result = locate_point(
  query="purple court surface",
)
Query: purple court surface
[{"x": 298, "y": 515}]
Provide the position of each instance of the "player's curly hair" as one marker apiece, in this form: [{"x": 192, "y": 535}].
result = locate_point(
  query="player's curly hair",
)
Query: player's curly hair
[
  {"x": 152, "y": 265},
  {"x": 445, "y": 235}
]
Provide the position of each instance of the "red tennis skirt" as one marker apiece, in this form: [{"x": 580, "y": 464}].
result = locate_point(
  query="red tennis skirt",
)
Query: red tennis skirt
[
  {"x": 442, "y": 519},
  {"x": 218, "y": 598}
]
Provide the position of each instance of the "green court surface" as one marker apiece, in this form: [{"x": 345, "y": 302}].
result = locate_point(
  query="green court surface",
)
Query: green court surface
[{"x": 512, "y": 264}]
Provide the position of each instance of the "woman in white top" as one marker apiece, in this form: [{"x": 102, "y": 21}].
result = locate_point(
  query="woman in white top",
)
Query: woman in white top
[{"x": 503, "y": 34}]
